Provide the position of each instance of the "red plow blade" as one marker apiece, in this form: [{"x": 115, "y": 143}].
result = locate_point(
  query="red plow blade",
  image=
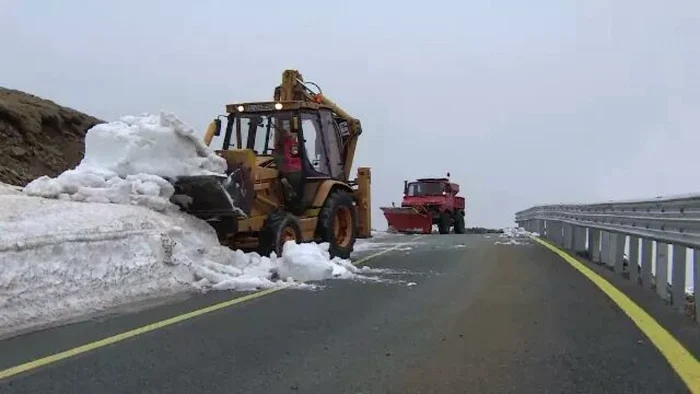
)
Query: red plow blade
[{"x": 408, "y": 220}]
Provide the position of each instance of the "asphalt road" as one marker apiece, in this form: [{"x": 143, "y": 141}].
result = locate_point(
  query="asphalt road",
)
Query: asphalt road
[{"x": 481, "y": 318}]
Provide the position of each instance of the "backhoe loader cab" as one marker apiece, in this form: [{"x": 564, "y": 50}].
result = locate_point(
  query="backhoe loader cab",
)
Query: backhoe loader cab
[{"x": 288, "y": 175}]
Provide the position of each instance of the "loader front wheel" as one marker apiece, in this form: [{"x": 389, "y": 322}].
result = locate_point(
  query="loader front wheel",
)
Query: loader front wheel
[
  {"x": 280, "y": 227},
  {"x": 337, "y": 224}
]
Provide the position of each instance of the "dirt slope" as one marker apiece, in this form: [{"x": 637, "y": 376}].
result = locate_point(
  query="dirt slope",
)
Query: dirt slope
[{"x": 38, "y": 137}]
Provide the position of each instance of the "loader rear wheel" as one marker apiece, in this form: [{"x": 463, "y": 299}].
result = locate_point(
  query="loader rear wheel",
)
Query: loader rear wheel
[
  {"x": 459, "y": 222},
  {"x": 337, "y": 224},
  {"x": 280, "y": 227},
  {"x": 444, "y": 222}
]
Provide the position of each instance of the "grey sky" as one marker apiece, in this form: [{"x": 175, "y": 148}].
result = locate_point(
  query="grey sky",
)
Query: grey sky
[{"x": 523, "y": 102}]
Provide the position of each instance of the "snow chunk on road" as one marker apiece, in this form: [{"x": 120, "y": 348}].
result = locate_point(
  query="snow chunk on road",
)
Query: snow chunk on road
[
  {"x": 517, "y": 232},
  {"x": 127, "y": 161}
]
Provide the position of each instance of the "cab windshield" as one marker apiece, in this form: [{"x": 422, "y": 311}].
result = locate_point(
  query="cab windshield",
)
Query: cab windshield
[
  {"x": 257, "y": 131},
  {"x": 425, "y": 189}
]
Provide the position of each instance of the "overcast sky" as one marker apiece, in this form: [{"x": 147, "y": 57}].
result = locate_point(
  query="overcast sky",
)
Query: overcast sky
[{"x": 524, "y": 102}]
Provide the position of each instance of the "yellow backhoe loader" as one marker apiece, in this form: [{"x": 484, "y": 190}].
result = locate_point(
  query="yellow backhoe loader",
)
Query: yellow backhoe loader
[{"x": 288, "y": 177}]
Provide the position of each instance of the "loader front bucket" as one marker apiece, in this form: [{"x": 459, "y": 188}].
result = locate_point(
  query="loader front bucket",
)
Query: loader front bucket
[
  {"x": 408, "y": 220},
  {"x": 205, "y": 196}
]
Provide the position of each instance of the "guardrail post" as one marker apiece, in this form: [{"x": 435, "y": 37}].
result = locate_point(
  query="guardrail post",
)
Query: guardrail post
[
  {"x": 568, "y": 236},
  {"x": 579, "y": 239},
  {"x": 634, "y": 259},
  {"x": 647, "y": 248},
  {"x": 552, "y": 231},
  {"x": 594, "y": 244},
  {"x": 617, "y": 250},
  {"x": 678, "y": 278},
  {"x": 662, "y": 270},
  {"x": 605, "y": 256},
  {"x": 560, "y": 233},
  {"x": 696, "y": 282}
]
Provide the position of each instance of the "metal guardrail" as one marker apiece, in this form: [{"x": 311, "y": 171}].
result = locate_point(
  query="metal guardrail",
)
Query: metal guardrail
[{"x": 602, "y": 231}]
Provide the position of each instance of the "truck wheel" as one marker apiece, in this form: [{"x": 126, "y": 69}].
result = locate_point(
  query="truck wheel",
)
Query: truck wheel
[
  {"x": 444, "y": 222},
  {"x": 337, "y": 224},
  {"x": 459, "y": 222},
  {"x": 280, "y": 227}
]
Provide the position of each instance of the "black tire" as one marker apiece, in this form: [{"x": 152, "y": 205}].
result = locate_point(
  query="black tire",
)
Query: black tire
[
  {"x": 444, "y": 222},
  {"x": 459, "y": 222},
  {"x": 339, "y": 206},
  {"x": 279, "y": 226}
]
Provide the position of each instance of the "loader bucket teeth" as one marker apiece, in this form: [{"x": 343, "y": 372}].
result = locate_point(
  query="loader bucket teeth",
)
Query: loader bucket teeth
[{"x": 408, "y": 220}]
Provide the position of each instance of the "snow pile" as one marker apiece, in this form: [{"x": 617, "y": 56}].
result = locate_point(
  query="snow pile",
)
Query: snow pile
[
  {"x": 128, "y": 162},
  {"x": 515, "y": 236},
  {"x": 517, "y": 232},
  {"x": 60, "y": 260}
]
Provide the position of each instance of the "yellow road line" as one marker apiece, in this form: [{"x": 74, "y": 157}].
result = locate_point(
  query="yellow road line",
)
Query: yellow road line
[
  {"x": 28, "y": 366},
  {"x": 680, "y": 359}
]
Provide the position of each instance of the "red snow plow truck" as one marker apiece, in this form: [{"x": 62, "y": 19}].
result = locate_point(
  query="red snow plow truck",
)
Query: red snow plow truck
[{"x": 427, "y": 202}]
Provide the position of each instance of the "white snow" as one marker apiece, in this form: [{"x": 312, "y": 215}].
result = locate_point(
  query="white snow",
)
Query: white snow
[
  {"x": 515, "y": 236},
  {"x": 9, "y": 189},
  {"x": 60, "y": 260},
  {"x": 517, "y": 232},
  {"x": 510, "y": 242},
  {"x": 126, "y": 162}
]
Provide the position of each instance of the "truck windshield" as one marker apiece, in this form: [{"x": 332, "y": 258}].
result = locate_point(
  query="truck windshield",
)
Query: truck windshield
[{"x": 425, "y": 189}]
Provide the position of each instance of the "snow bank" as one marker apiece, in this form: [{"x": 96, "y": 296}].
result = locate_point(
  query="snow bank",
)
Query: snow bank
[
  {"x": 128, "y": 161},
  {"x": 9, "y": 189},
  {"x": 60, "y": 260}
]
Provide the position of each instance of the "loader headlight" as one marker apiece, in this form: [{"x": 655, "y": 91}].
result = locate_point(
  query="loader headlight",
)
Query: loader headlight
[
  {"x": 240, "y": 108},
  {"x": 278, "y": 106}
]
